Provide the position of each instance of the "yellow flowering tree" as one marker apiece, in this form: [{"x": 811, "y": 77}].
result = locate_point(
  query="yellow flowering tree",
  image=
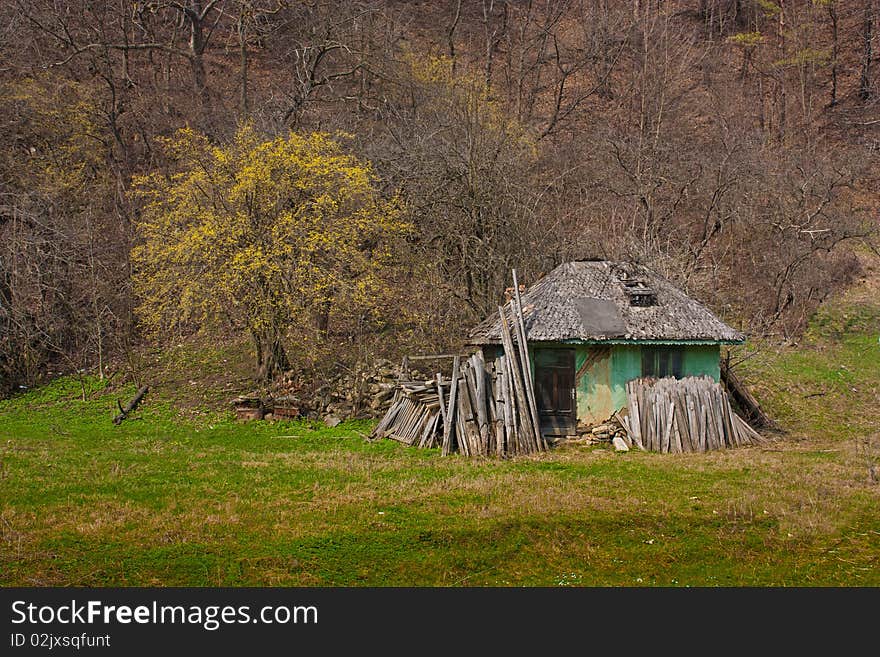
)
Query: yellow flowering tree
[{"x": 266, "y": 235}]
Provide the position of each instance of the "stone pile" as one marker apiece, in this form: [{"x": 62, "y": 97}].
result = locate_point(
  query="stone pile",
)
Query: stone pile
[{"x": 362, "y": 393}]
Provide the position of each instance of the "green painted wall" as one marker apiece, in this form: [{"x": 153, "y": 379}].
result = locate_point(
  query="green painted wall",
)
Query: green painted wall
[
  {"x": 703, "y": 359},
  {"x": 604, "y": 370},
  {"x": 595, "y": 394}
]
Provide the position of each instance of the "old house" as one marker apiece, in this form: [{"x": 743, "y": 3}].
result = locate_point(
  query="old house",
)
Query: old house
[{"x": 592, "y": 326}]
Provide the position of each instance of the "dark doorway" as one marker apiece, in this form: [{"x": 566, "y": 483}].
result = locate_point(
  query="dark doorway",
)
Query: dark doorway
[{"x": 555, "y": 391}]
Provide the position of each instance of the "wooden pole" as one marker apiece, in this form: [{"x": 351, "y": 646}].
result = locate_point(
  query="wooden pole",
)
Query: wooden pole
[
  {"x": 524, "y": 354},
  {"x": 449, "y": 421},
  {"x": 527, "y": 430},
  {"x": 482, "y": 415},
  {"x": 440, "y": 397}
]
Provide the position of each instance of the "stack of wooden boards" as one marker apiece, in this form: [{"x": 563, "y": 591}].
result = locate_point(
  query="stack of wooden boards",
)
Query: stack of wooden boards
[
  {"x": 414, "y": 416},
  {"x": 484, "y": 409},
  {"x": 692, "y": 414}
]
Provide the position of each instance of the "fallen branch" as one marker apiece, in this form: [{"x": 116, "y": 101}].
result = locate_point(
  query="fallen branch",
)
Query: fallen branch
[
  {"x": 133, "y": 404},
  {"x": 749, "y": 405}
]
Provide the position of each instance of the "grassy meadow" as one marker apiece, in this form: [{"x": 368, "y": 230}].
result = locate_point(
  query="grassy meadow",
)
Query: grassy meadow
[{"x": 173, "y": 496}]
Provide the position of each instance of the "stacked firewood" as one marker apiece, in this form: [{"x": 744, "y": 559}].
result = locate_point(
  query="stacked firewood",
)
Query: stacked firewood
[
  {"x": 484, "y": 409},
  {"x": 683, "y": 415}
]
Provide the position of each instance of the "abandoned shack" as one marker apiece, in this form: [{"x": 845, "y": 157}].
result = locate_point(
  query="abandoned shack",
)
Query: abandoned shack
[{"x": 595, "y": 325}]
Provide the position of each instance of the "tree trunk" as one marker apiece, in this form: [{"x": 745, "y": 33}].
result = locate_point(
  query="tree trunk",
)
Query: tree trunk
[
  {"x": 271, "y": 358},
  {"x": 196, "y": 17},
  {"x": 783, "y": 99},
  {"x": 867, "y": 51},
  {"x": 242, "y": 42},
  {"x": 835, "y": 45},
  {"x": 322, "y": 319}
]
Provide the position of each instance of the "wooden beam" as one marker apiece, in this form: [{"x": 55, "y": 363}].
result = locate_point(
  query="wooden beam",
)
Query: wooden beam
[
  {"x": 527, "y": 432},
  {"x": 449, "y": 423},
  {"x": 436, "y": 356},
  {"x": 524, "y": 355}
]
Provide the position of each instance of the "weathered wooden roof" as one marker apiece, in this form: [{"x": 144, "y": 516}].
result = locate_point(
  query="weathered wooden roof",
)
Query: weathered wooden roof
[{"x": 592, "y": 301}]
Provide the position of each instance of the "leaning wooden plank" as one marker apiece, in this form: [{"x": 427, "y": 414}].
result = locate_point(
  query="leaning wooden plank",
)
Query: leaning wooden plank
[
  {"x": 509, "y": 413},
  {"x": 399, "y": 417},
  {"x": 440, "y": 397},
  {"x": 665, "y": 423},
  {"x": 631, "y": 437},
  {"x": 526, "y": 429},
  {"x": 427, "y": 432},
  {"x": 398, "y": 430},
  {"x": 533, "y": 438},
  {"x": 682, "y": 424},
  {"x": 645, "y": 414},
  {"x": 461, "y": 432},
  {"x": 710, "y": 424},
  {"x": 693, "y": 422},
  {"x": 413, "y": 414},
  {"x": 706, "y": 426},
  {"x": 449, "y": 421},
  {"x": 500, "y": 406},
  {"x": 511, "y": 396},
  {"x": 385, "y": 422},
  {"x": 529, "y": 378},
  {"x": 715, "y": 416},
  {"x": 633, "y": 405},
  {"x": 718, "y": 419},
  {"x": 756, "y": 436},
  {"x": 506, "y": 408},
  {"x": 656, "y": 436},
  {"x": 704, "y": 423},
  {"x": 733, "y": 437},
  {"x": 420, "y": 434},
  {"x": 727, "y": 437},
  {"x": 432, "y": 432},
  {"x": 491, "y": 419},
  {"x": 466, "y": 397},
  {"x": 415, "y": 417},
  {"x": 749, "y": 435},
  {"x": 634, "y": 411},
  {"x": 675, "y": 443},
  {"x": 481, "y": 402},
  {"x": 741, "y": 436},
  {"x": 414, "y": 428},
  {"x": 492, "y": 410}
]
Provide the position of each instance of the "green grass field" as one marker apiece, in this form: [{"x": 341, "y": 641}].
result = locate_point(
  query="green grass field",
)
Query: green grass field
[{"x": 180, "y": 498}]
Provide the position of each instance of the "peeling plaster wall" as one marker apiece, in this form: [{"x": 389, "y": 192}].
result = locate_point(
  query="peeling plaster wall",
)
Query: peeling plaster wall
[{"x": 603, "y": 372}]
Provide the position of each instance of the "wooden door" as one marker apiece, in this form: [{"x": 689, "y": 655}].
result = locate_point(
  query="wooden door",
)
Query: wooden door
[{"x": 555, "y": 390}]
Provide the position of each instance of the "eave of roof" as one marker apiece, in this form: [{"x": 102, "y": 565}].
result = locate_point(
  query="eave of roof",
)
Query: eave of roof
[{"x": 618, "y": 341}]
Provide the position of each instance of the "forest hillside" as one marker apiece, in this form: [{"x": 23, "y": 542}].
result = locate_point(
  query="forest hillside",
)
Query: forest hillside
[{"x": 338, "y": 182}]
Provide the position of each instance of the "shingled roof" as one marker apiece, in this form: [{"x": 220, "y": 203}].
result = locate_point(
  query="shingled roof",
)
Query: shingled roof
[{"x": 599, "y": 301}]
